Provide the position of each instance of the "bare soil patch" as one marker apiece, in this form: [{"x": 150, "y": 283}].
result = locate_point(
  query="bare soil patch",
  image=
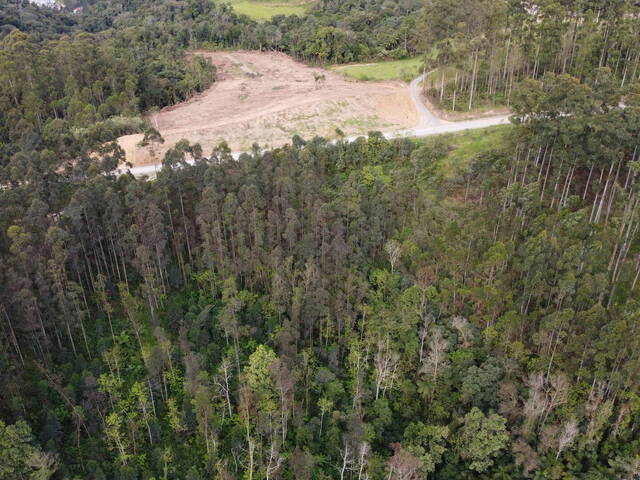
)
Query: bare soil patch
[{"x": 266, "y": 98}]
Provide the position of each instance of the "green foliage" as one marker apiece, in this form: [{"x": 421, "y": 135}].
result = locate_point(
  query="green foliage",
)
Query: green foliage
[
  {"x": 482, "y": 438},
  {"x": 427, "y": 442},
  {"x": 16, "y": 448},
  {"x": 351, "y": 30},
  {"x": 19, "y": 458},
  {"x": 480, "y": 384},
  {"x": 258, "y": 375}
]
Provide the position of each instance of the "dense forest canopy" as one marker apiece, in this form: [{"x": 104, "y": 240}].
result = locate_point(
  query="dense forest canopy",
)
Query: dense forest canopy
[{"x": 358, "y": 310}]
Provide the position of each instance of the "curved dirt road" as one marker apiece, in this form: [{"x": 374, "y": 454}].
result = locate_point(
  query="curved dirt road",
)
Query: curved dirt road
[
  {"x": 429, "y": 125},
  {"x": 427, "y": 118}
]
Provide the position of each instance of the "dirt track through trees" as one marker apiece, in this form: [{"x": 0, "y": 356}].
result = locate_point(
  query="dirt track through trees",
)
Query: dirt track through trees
[{"x": 266, "y": 98}]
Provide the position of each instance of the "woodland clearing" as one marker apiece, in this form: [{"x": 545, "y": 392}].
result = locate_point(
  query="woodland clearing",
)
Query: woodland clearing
[{"x": 267, "y": 98}]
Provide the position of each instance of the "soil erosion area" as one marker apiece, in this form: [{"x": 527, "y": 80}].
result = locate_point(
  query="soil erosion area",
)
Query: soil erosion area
[{"x": 266, "y": 98}]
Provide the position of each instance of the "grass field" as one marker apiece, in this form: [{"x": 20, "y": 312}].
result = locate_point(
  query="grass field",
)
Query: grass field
[
  {"x": 405, "y": 70},
  {"x": 263, "y": 10}
]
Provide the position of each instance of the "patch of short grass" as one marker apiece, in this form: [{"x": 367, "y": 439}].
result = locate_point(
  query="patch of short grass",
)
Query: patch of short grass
[
  {"x": 262, "y": 10},
  {"x": 406, "y": 70},
  {"x": 465, "y": 146}
]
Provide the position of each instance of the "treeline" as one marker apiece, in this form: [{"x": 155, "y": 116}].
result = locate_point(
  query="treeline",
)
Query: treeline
[
  {"x": 349, "y": 31},
  {"x": 323, "y": 311},
  {"x": 334, "y": 32},
  {"x": 484, "y": 48}
]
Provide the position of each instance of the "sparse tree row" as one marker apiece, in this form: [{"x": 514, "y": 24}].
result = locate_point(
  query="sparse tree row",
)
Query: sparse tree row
[{"x": 482, "y": 49}]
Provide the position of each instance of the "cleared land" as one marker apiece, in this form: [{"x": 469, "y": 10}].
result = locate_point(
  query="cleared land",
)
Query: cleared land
[
  {"x": 263, "y": 10},
  {"x": 266, "y": 98},
  {"x": 405, "y": 70}
]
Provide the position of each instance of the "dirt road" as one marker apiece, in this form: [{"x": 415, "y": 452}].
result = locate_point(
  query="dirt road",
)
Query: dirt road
[
  {"x": 427, "y": 118},
  {"x": 444, "y": 127},
  {"x": 217, "y": 114}
]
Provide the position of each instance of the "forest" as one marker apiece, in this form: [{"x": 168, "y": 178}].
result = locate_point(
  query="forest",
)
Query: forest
[
  {"x": 441, "y": 308},
  {"x": 482, "y": 49}
]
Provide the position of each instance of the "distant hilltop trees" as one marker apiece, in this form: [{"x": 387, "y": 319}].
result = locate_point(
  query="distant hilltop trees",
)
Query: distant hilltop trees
[{"x": 48, "y": 3}]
